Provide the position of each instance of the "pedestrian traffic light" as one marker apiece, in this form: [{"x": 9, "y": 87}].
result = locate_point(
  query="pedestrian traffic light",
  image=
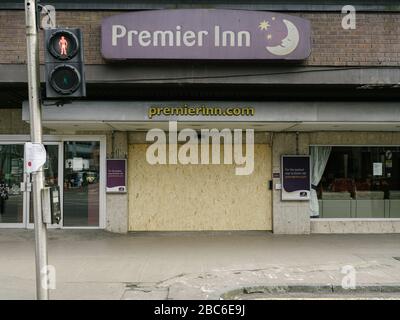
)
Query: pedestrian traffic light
[{"x": 65, "y": 69}]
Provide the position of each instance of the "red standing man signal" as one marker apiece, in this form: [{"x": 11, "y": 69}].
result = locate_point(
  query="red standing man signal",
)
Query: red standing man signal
[{"x": 63, "y": 43}]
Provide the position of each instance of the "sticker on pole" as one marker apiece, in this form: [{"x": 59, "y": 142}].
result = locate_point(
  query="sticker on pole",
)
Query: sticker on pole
[{"x": 35, "y": 156}]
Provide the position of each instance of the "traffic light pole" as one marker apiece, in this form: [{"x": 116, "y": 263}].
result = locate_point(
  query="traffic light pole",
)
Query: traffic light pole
[{"x": 32, "y": 42}]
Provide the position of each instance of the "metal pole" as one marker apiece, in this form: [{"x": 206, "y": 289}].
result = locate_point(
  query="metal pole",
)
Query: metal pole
[{"x": 32, "y": 44}]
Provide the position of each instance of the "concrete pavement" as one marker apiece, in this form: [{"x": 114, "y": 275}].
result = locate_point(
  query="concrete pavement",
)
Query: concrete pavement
[{"x": 95, "y": 264}]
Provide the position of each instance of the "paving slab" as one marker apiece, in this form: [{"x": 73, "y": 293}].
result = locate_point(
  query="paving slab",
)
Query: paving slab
[{"x": 95, "y": 264}]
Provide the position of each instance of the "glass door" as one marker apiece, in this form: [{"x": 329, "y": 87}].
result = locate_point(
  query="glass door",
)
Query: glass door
[
  {"x": 81, "y": 183},
  {"x": 51, "y": 176},
  {"x": 11, "y": 177},
  {"x": 72, "y": 165}
]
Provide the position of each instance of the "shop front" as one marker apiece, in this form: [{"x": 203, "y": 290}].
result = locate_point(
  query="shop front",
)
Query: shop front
[
  {"x": 74, "y": 164},
  {"x": 303, "y": 90},
  {"x": 354, "y": 178}
]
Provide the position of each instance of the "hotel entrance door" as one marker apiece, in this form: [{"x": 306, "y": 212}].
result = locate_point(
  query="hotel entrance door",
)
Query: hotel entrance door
[
  {"x": 74, "y": 166},
  {"x": 81, "y": 183}
]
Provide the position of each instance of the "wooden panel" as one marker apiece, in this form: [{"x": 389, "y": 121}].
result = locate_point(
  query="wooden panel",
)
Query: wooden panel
[{"x": 198, "y": 197}]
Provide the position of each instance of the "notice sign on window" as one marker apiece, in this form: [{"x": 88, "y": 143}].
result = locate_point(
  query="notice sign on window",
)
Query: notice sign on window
[
  {"x": 377, "y": 168},
  {"x": 296, "y": 183},
  {"x": 116, "y": 175}
]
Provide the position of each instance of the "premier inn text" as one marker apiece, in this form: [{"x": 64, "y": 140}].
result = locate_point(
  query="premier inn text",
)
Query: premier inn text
[{"x": 179, "y": 37}]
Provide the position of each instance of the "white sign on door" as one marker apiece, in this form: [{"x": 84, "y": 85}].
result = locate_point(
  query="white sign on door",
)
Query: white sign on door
[
  {"x": 377, "y": 168},
  {"x": 77, "y": 164}
]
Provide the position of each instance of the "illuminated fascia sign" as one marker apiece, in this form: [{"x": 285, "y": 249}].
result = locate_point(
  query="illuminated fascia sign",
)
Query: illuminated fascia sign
[{"x": 205, "y": 34}]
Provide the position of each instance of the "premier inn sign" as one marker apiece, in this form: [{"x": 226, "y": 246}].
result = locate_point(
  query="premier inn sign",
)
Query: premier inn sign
[{"x": 205, "y": 34}]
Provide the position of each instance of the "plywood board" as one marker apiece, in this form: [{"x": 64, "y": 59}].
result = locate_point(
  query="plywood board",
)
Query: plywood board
[{"x": 198, "y": 197}]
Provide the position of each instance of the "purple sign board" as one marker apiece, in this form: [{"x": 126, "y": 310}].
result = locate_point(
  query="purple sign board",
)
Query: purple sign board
[
  {"x": 205, "y": 34},
  {"x": 116, "y": 175},
  {"x": 296, "y": 182}
]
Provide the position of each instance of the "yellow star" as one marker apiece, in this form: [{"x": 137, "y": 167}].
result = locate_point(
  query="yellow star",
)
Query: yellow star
[{"x": 264, "y": 25}]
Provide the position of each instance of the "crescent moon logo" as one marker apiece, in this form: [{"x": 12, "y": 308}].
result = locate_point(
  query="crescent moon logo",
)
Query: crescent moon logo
[{"x": 289, "y": 44}]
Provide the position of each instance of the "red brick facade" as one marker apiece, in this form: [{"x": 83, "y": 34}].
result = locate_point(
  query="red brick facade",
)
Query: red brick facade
[{"x": 375, "y": 41}]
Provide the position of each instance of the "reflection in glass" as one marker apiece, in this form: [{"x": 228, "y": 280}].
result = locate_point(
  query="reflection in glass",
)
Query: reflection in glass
[
  {"x": 11, "y": 176},
  {"x": 81, "y": 183}
]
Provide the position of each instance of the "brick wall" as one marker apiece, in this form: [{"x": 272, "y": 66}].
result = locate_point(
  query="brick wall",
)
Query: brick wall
[{"x": 375, "y": 42}]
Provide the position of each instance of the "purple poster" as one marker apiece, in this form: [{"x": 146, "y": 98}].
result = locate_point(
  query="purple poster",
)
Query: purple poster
[
  {"x": 116, "y": 175},
  {"x": 205, "y": 34},
  {"x": 296, "y": 183}
]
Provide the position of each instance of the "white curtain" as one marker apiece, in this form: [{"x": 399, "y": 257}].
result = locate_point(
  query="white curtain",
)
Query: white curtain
[{"x": 319, "y": 159}]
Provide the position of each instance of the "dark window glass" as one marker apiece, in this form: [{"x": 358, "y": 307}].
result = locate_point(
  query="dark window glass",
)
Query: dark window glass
[
  {"x": 81, "y": 183},
  {"x": 361, "y": 182},
  {"x": 355, "y": 169},
  {"x": 11, "y": 176}
]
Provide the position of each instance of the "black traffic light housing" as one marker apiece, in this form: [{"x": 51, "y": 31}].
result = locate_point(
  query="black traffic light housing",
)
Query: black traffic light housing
[{"x": 64, "y": 63}]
